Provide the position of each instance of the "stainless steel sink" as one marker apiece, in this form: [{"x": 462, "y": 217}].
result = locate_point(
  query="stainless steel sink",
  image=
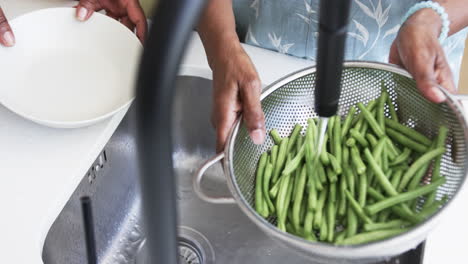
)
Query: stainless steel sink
[{"x": 208, "y": 233}]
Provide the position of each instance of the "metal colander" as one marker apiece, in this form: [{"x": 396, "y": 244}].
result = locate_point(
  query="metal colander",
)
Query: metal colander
[{"x": 291, "y": 100}]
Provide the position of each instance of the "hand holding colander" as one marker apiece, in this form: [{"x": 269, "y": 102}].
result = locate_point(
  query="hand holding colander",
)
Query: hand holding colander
[{"x": 290, "y": 101}]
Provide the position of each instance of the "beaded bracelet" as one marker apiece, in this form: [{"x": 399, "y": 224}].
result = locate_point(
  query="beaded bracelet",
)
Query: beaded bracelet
[{"x": 437, "y": 8}]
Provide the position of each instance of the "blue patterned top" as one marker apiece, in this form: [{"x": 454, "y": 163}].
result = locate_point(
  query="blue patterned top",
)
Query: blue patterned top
[{"x": 290, "y": 27}]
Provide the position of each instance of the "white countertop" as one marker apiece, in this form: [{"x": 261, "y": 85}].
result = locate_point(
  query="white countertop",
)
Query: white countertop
[{"x": 40, "y": 167}]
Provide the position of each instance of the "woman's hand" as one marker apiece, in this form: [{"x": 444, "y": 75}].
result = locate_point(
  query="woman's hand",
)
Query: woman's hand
[
  {"x": 128, "y": 12},
  {"x": 237, "y": 89},
  {"x": 417, "y": 49},
  {"x": 7, "y": 38}
]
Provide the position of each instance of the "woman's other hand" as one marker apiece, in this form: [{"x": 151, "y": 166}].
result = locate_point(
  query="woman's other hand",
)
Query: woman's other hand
[
  {"x": 128, "y": 12},
  {"x": 417, "y": 49},
  {"x": 7, "y": 38},
  {"x": 236, "y": 83},
  {"x": 237, "y": 89}
]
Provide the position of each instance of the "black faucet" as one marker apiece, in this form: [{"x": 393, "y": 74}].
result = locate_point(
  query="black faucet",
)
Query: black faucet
[{"x": 173, "y": 22}]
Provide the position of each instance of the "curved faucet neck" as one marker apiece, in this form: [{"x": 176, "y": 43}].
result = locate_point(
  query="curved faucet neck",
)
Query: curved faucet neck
[{"x": 173, "y": 22}]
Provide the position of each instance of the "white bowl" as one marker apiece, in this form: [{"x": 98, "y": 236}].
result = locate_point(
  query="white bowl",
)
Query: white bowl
[{"x": 65, "y": 73}]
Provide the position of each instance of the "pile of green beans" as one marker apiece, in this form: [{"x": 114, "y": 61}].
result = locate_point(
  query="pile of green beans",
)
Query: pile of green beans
[{"x": 363, "y": 186}]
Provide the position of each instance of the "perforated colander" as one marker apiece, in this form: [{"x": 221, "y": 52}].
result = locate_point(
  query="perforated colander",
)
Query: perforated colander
[{"x": 291, "y": 100}]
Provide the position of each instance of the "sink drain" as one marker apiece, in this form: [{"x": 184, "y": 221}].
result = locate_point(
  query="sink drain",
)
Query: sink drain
[
  {"x": 188, "y": 254},
  {"x": 194, "y": 248}
]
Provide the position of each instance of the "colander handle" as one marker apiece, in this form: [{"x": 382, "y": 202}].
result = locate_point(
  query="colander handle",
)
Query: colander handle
[{"x": 198, "y": 179}]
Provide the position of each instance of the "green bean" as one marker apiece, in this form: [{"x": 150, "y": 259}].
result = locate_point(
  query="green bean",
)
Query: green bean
[
  {"x": 402, "y": 157},
  {"x": 274, "y": 154},
  {"x": 276, "y": 137},
  {"x": 358, "y": 137},
  {"x": 361, "y": 119},
  {"x": 319, "y": 209},
  {"x": 313, "y": 126},
  {"x": 298, "y": 197},
  {"x": 406, "y": 141},
  {"x": 372, "y": 236},
  {"x": 371, "y": 120},
  {"x": 259, "y": 201},
  {"x": 308, "y": 233},
  {"x": 409, "y": 132},
  {"x": 440, "y": 142},
  {"x": 332, "y": 192},
  {"x": 287, "y": 199},
  {"x": 357, "y": 208},
  {"x": 378, "y": 150},
  {"x": 391, "y": 108},
  {"x": 381, "y": 178},
  {"x": 342, "y": 201},
  {"x": 321, "y": 173},
  {"x": 381, "y": 109},
  {"x": 416, "y": 179},
  {"x": 352, "y": 223},
  {"x": 370, "y": 178},
  {"x": 299, "y": 143},
  {"x": 364, "y": 128},
  {"x": 383, "y": 216},
  {"x": 323, "y": 231},
  {"x": 340, "y": 236},
  {"x": 294, "y": 135},
  {"x": 314, "y": 184},
  {"x": 351, "y": 142},
  {"x": 387, "y": 225},
  {"x": 420, "y": 162},
  {"x": 362, "y": 192},
  {"x": 297, "y": 175},
  {"x": 282, "y": 153},
  {"x": 432, "y": 208},
  {"x": 335, "y": 164},
  {"x": 347, "y": 122},
  {"x": 266, "y": 186},
  {"x": 331, "y": 217},
  {"x": 371, "y": 139},
  {"x": 337, "y": 140},
  {"x": 312, "y": 199},
  {"x": 345, "y": 155},
  {"x": 396, "y": 177},
  {"x": 275, "y": 189},
  {"x": 332, "y": 178},
  {"x": 303, "y": 211},
  {"x": 290, "y": 229},
  {"x": 280, "y": 200},
  {"x": 392, "y": 150},
  {"x": 295, "y": 162},
  {"x": 402, "y": 197},
  {"x": 323, "y": 153},
  {"x": 398, "y": 210},
  {"x": 350, "y": 178},
  {"x": 358, "y": 163},
  {"x": 317, "y": 181},
  {"x": 385, "y": 160}
]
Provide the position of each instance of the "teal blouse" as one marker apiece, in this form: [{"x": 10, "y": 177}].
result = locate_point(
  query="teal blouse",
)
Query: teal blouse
[{"x": 290, "y": 27}]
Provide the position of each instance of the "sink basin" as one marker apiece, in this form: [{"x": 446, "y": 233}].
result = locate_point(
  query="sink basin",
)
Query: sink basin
[{"x": 207, "y": 233}]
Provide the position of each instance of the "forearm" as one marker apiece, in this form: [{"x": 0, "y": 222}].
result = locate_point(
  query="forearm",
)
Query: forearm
[
  {"x": 217, "y": 29},
  {"x": 457, "y": 11}
]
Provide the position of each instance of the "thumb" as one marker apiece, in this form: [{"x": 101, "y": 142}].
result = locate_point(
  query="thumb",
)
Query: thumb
[
  {"x": 254, "y": 118},
  {"x": 85, "y": 9},
  {"x": 6, "y": 34}
]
